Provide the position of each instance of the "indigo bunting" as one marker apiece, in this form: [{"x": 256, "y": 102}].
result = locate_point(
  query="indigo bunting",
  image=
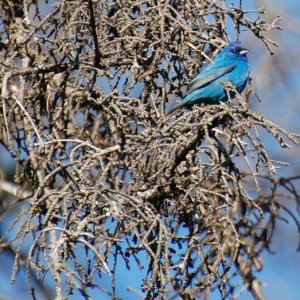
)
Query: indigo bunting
[{"x": 231, "y": 65}]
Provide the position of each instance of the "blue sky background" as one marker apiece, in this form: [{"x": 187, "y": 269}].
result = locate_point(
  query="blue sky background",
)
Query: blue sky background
[{"x": 276, "y": 80}]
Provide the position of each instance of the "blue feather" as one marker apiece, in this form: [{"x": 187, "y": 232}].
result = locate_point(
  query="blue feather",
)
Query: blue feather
[{"x": 231, "y": 65}]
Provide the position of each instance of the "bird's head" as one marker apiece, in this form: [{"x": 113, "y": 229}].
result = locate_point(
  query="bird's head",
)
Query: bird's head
[{"x": 235, "y": 49}]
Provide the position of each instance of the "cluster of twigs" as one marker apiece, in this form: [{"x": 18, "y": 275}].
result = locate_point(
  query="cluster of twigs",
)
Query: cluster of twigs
[{"x": 85, "y": 86}]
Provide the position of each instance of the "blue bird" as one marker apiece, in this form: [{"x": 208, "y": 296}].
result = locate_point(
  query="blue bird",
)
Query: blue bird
[{"x": 207, "y": 87}]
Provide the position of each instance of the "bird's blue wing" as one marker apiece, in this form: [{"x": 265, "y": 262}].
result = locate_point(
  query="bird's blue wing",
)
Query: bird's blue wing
[{"x": 208, "y": 75}]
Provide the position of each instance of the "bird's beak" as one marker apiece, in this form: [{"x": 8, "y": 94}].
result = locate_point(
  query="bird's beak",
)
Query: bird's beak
[{"x": 244, "y": 51}]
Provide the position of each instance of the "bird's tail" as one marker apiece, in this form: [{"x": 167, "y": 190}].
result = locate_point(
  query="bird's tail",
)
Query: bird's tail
[{"x": 177, "y": 106}]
